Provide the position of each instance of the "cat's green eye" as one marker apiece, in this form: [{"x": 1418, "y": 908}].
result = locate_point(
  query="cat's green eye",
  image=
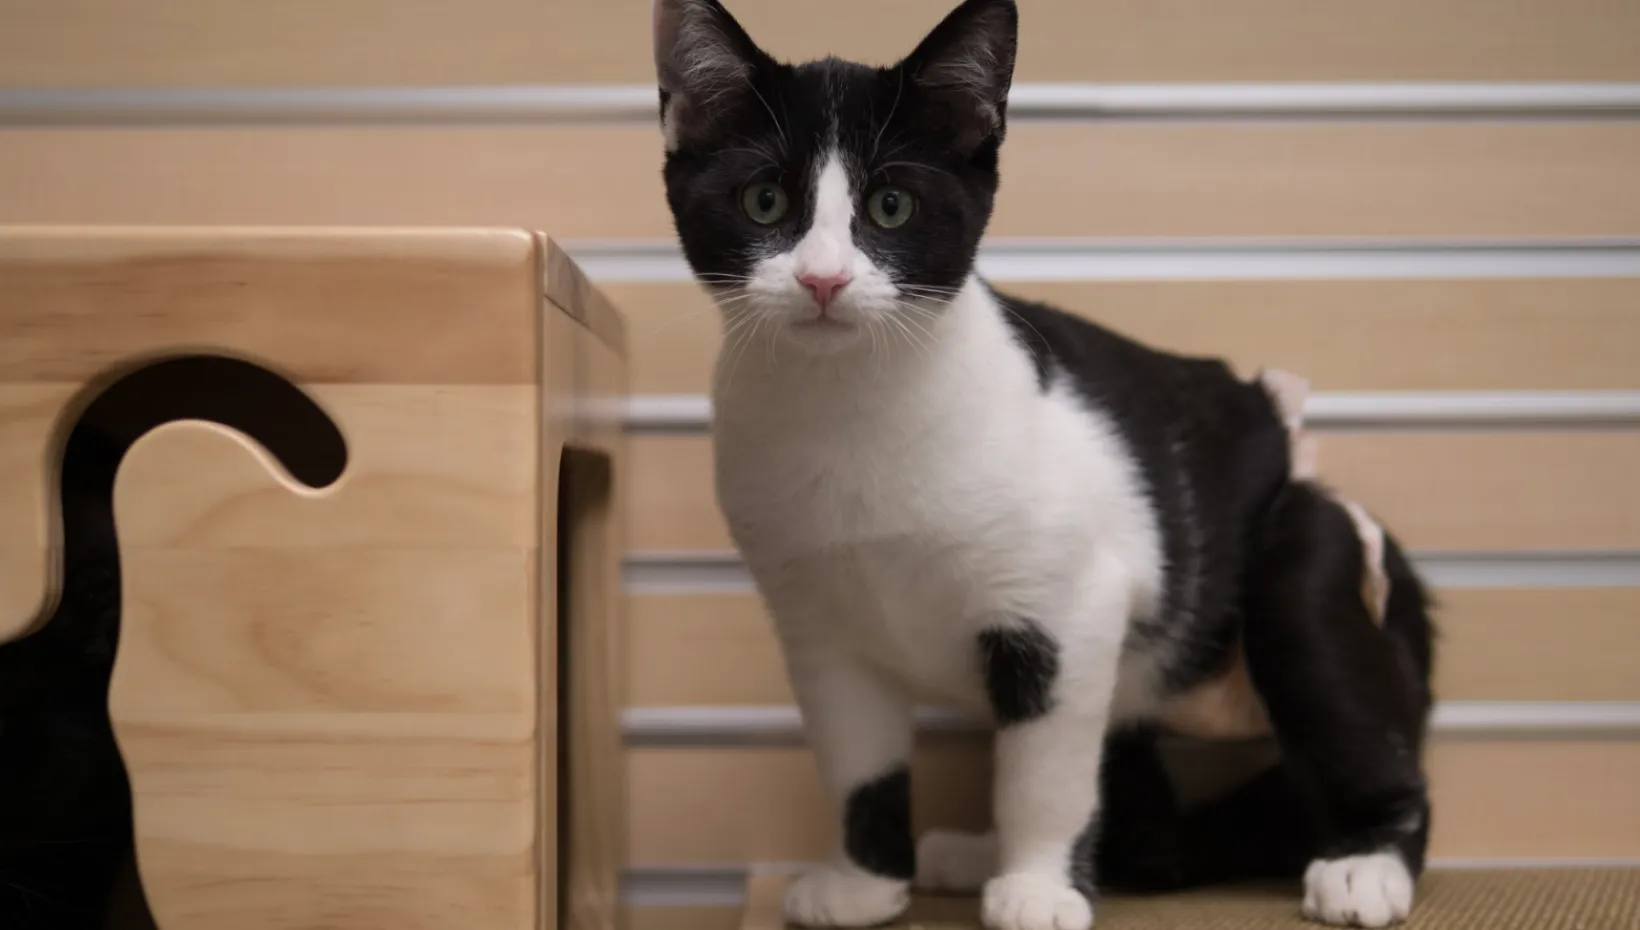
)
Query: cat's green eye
[
  {"x": 765, "y": 202},
  {"x": 890, "y": 207}
]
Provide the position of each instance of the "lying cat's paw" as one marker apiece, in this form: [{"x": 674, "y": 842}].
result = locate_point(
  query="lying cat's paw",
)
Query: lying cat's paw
[
  {"x": 835, "y": 897},
  {"x": 1373, "y": 890},
  {"x": 1028, "y": 901},
  {"x": 959, "y": 862}
]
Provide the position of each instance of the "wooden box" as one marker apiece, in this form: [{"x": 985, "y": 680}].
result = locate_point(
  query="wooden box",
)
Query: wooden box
[{"x": 367, "y": 563}]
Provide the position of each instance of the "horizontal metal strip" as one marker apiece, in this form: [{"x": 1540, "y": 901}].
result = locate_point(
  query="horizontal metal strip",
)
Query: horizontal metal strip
[
  {"x": 633, "y": 261},
  {"x": 725, "y": 885},
  {"x": 637, "y": 103},
  {"x": 1386, "y": 410},
  {"x": 782, "y": 725},
  {"x": 723, "y": 572}
]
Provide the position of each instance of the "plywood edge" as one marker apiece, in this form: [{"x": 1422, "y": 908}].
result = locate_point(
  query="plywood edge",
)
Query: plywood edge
[
  {"x": 100, "y": 242},
  {"x": 570, "y": 290}
]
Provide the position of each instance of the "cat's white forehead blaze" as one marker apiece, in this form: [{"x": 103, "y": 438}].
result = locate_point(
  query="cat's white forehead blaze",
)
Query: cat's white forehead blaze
[{"x": 827, "y": 248}]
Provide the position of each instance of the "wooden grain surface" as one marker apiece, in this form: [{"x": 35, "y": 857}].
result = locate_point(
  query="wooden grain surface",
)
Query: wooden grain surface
[
  {"x": 590, "y": 669},
  {"x": 439, "y": 307},
  {"x": 1474, "y": 491},
  {"x": 338, "y": 707},
  {"x": 1344, "y": 335},
  {"x": 706, "y": 806},
  {"x": 1458, "y": 179},
  {"x": 99, "y": 42},
  {"x": 297, "y": 695},
  {"x": 430, "y": 466}
]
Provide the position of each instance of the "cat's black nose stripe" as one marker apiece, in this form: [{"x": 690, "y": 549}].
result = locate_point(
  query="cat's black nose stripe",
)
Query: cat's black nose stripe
[
  {"x": 1020, "y": 664},
  {"x": 877, "y": 826}
]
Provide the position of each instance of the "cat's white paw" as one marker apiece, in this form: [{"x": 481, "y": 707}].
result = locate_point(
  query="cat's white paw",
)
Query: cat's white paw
[
  {"x": 837, "y": 897},
  {"x": 1374, "y": 890},
  {"x": 1029, "y": 901},
  {"x": 959, "y": 862}
]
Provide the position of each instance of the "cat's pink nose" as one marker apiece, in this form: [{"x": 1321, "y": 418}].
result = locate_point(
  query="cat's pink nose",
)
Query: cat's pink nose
[{"x": 824, "y": 286}]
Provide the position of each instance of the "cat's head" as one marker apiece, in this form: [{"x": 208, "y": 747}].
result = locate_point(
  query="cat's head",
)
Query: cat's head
[{"x": 829, "y": 197}]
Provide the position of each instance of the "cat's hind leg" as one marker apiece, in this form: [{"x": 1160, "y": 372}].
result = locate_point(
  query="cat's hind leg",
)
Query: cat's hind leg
[{"x": 1347, "y": 694}]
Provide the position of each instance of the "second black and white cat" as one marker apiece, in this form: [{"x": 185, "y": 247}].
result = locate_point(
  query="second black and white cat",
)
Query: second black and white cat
[{"x": 944, "y": 492}]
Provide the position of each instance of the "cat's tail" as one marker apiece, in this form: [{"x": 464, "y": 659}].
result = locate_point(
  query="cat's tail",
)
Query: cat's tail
[{"x": 67, "y": 657}]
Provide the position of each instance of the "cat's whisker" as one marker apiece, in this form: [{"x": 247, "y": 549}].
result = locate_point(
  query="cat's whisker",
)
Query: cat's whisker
[
  {"x": 689, "y": 313},
  {"x": 900, "y": 148},
  {"x": 917, "y": 344},
  {"x": 733, "y": 336},
  {"x": 916, "y": 164},
  {"x": 946, "y": 292},
  {"x": 750, "y": 336},
  {"x": 899, "y": 91}
]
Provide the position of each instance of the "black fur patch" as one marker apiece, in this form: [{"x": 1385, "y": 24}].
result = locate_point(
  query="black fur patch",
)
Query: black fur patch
[
  {"x": 877, "y": 826},
  {"x": 1020, "y": 666}
]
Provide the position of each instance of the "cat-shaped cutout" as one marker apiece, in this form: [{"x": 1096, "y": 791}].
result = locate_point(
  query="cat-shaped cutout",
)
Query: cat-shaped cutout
[{"x": 66, "y": 855}]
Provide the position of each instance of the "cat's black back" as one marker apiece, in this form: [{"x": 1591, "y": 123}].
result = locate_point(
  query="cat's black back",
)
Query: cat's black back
[{"x": 1212, "y": 453}]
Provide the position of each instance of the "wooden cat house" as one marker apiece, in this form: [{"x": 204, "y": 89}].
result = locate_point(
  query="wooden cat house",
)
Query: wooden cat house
[{"x": 365, "y": 485}]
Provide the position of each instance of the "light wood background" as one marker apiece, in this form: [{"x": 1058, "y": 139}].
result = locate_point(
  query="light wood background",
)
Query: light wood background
[
  {"x": 315, "y": 42},
  {"x": 698, "y": 645}
]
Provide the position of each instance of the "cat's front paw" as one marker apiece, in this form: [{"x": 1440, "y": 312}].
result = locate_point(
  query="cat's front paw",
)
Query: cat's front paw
[
  {"x": 1028, "y": 901},
  {"x": 1374, "y": 890},
  {"x": 837, "y": 897},
  {"x": 952, "y": 861}
]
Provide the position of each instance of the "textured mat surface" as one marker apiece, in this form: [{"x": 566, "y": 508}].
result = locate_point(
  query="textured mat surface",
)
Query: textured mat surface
[{"x": 1558, "y": 899}]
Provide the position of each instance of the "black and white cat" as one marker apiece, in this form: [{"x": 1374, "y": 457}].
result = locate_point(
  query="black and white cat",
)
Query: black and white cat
[{"x": 943, "y": 492}]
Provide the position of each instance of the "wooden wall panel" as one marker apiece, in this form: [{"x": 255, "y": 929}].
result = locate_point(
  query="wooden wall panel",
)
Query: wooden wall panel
[
  {"x": 1417, "y": 179},
  {"x": 199, "y": 42},
  {"x": 1176, "y": 40},
  {"x": 89, "y": 43},
  {"x": 682, "y": 643},
  {"x": 1494, "y": 491},
  {"x": 715, "y": 806},
  {"x": 1182, "y": 179},
  {"x": 1539, "y": 644},
  {"x": 1503, "y": 644},
  {"x": 711, "y": 806},
  {"x": 1346, "y": 335},
  {"x": 1479, "y": 491}
]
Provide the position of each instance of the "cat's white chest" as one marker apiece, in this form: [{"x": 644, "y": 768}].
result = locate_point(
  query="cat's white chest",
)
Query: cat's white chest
[
  {"x": 900, "y": 513},
  {"x": 789, "y": 497},
  {"x": 884, "y": 540}
]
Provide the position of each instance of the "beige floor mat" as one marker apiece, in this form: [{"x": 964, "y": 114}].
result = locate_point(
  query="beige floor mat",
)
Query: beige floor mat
[{"x": 1557, "y": 899}]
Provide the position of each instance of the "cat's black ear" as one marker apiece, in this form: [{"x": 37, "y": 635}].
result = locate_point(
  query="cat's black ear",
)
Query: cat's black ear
[
  {"x": 963, "y": 70},
  {"x": 705, "y": 63}
]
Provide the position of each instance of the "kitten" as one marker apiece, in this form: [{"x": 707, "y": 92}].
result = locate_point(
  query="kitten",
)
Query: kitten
[
  {"x": 67, "y": 857},
  {"x": 945, "y": 492}
]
